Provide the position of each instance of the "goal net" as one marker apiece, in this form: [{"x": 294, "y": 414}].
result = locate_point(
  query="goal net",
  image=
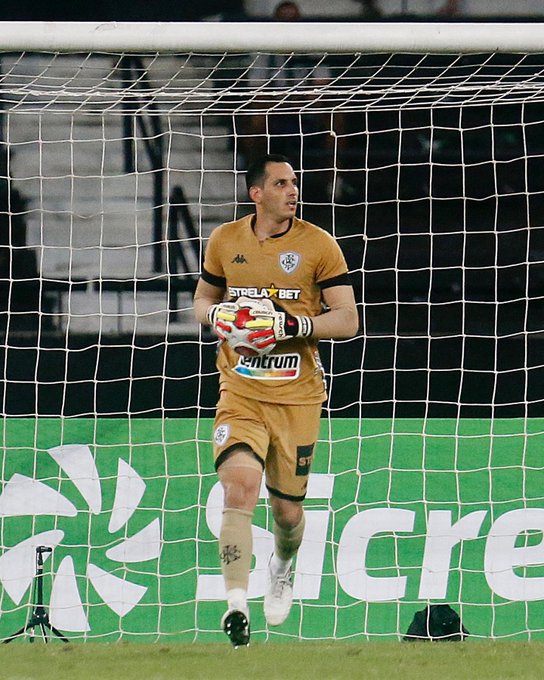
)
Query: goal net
[{"x": 421, "y": 149}]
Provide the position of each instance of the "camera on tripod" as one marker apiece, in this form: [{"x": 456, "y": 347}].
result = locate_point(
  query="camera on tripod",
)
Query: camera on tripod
[{"x": 39, "y": 617}]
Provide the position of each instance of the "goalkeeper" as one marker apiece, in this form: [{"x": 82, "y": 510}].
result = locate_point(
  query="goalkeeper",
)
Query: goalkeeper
[{"x": 272, "y": 285}]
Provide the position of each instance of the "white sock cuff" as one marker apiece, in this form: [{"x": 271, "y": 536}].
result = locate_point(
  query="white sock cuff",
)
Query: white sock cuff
[
  {"x": 237, "y": 599},
  {"x": 279, "y": 566}
]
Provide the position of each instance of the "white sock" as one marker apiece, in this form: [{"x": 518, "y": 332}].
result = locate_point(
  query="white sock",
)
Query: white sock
[
  {"x": 279, "y": 566},
  {"x": 237, "y": 599}
]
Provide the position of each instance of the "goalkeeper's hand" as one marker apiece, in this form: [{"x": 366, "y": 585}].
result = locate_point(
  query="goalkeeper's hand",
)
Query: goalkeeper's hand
[
  {"x": 221, "y": 318},
  {"x": 272, "y": 326}
]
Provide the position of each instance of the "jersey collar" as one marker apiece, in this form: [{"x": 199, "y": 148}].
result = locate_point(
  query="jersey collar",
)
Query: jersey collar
[{"x": 283, "y": 233}]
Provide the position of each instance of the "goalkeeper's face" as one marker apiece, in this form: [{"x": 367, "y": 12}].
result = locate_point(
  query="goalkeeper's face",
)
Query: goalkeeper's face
[{"x": 277, "y": 198}]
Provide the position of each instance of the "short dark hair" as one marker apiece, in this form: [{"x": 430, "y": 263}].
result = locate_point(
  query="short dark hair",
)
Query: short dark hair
[
  {"x": 256, "y": 171},
  {"x": 286, "y": 4}
]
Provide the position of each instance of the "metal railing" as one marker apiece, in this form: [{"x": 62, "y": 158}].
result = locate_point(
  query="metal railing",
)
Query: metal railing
[{"x": 134, "y": 79}]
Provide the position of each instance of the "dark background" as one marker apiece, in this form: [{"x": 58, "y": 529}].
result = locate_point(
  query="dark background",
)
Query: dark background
[
  {"x": 170, "y": 10},
  {"x": 449, "y": 281},
  {"x": 116, "y": 10}
]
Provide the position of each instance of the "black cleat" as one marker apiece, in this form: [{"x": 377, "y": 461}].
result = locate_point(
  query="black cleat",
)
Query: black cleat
[{"x": 236, "y": 626}]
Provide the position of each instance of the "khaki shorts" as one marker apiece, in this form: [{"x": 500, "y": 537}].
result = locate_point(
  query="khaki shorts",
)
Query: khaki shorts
[{"x": 283, "y": 436}]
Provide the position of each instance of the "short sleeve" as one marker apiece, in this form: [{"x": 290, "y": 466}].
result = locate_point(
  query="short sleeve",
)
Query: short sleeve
[
  {"x": 212, "y": 256},
  {"x": 332, "y": 263}
]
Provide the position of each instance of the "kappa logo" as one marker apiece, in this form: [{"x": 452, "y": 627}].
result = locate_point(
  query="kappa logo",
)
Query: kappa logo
[
  {"x": 239, "y": 259},
  {"x": 30, "y": 497},
  {"x": 289, "y": 261}
]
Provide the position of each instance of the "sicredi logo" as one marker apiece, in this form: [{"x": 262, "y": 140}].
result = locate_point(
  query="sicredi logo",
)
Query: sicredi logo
[
  {"x": 505, "y": 563},
  {"x": 26, "y": 496}
]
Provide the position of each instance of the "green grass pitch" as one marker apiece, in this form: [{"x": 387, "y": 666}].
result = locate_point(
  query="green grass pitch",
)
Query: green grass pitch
[{"x": 297, "y": 661}]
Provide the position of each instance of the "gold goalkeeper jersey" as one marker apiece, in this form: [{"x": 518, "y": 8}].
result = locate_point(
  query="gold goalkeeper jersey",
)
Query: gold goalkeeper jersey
[{"x": 291, "y": 269}]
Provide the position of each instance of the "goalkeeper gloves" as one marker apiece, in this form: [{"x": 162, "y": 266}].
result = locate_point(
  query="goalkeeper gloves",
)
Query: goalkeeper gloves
[
  {"x": 278, "y": 325},
  {"x": 221, "y": 317},
  {"x": 268, "y": 325}
]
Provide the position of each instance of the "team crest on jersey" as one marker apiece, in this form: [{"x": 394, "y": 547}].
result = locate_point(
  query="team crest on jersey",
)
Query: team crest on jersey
[
  {"x": 221, "y": 434},
  {"x": 289, "y": 261}
]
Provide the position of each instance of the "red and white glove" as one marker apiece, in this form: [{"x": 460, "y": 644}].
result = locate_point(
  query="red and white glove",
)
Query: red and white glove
[
  {"x": 256, "y": 324},
  {"x": 274, "y": 325},
  {"x": 221, "y": 318}
]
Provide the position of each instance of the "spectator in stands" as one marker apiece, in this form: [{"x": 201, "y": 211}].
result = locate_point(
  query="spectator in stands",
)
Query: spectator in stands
[
  {"x": 369, "y": 9},
  {"x": 287, "y": 11},
  {"x": 289, "y": 122},
  {"x": 452, "y": 8}
]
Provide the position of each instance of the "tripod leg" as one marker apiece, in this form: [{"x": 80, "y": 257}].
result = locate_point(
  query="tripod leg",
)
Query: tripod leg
[
  {"x": 59, "y": 634},
  {"x": 55, "y": 631},
  {"x": 44, "y": 632},
  {"x": 14, "y": 635}
]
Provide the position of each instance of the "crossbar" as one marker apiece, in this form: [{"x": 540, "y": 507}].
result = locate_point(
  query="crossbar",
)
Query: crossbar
[{"x": 215, "y": 37}]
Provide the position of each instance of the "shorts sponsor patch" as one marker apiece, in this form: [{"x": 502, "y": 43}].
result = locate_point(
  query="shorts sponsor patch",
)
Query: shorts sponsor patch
[
  {"x": 305, "y": 456},
  {"x": 269, "y": 367},
  {"x": 221, "y": 434}
]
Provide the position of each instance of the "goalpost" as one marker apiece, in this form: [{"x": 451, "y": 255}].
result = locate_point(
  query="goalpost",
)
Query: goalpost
[{"x": 421, "y": 148}]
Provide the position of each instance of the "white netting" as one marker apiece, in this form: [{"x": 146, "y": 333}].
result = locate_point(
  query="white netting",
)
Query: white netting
[{"x": 429, "y": 170}]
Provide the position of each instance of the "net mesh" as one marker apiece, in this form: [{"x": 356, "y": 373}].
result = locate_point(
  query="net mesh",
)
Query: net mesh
[{"x": 427, "y": 485}]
